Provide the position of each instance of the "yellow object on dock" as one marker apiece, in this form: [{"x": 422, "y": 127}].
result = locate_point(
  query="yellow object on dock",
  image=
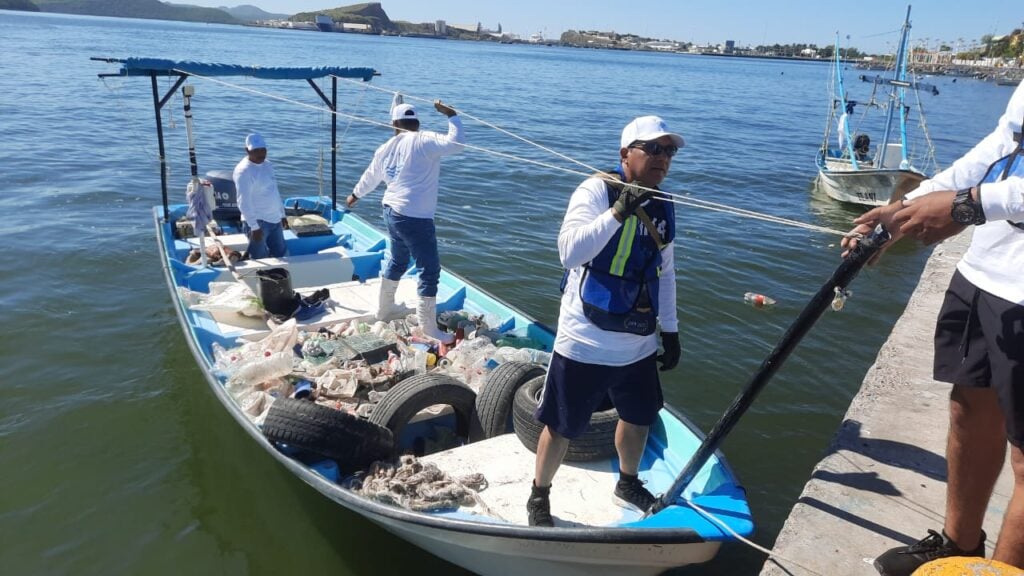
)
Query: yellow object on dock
[{"x": 960, "y": 566}]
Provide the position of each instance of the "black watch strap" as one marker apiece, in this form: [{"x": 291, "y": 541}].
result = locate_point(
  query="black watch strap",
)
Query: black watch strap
[{"x": 967, "y": 210}]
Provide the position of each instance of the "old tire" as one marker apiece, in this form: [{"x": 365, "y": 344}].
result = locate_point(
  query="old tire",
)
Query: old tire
[
  {"x": 347, "y": 439},
  {"x": 597, "y": 441},
  {"x": 407, "y": 398},
  {"x": 494, "y": 403}
]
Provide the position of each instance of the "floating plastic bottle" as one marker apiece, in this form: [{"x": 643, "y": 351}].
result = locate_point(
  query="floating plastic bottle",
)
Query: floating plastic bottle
[{"x": 758, "y": 300}]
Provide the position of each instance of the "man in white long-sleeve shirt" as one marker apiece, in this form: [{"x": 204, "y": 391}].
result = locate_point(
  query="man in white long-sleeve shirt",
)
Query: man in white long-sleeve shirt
[
  {"x": 616, "y": 245},
  {"x": 979, "y": 338},
  {"x": 410, "y": 164},
  {"x": 259, "y": 201}
]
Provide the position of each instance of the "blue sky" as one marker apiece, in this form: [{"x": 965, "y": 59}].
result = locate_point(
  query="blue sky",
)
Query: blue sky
[{"x": 869, "y": 23}]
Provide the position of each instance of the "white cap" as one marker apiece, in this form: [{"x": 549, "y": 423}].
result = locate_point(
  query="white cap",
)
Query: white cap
[
  {"x": 646, "y": 128},
  {"x": 254, "y": 141},
  {"x": 403, "y": 112}
]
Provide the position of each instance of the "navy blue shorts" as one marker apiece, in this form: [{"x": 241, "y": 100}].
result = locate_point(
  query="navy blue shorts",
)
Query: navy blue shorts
[
  {"x": 979, "y": 342},
  {"x": 574, "y": 390}
]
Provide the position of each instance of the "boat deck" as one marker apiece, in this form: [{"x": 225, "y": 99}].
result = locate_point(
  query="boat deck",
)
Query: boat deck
[{"x": 581, "y": 494}]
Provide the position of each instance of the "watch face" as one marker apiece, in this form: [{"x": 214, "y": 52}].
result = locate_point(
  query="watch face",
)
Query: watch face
[{"x": 963, "y": 214}]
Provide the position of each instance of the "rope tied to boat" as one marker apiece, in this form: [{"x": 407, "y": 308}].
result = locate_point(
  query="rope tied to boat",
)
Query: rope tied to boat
[
  {"x": 676, "y": 198},
  {"x": 419, "y": 486}
]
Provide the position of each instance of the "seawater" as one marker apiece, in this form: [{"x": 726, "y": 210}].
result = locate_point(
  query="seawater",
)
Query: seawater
[{"x": 116, "y": 458}]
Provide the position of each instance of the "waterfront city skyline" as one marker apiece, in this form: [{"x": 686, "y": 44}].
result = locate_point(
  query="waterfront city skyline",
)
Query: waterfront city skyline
[{"x": 872, "y": 27}]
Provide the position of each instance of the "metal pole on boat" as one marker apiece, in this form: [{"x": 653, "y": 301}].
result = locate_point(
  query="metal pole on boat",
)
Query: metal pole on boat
[
  {"x": 334, "y": 145},
  {"x": 898, "y": 76},
  {"x": 841, "y": 278},
  {"x": 160, "y": 142},
  {"x": 195, "y": 185}
]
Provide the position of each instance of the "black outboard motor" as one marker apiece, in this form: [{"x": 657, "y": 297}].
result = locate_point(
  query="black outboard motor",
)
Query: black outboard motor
[{"x": 226, "y": 209}]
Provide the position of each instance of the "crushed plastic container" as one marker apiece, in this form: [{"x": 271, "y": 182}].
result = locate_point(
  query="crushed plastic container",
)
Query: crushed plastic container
[{"x": 758, "y": 300}]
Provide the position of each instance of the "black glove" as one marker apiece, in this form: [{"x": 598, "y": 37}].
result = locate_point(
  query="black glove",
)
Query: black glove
[
  {"x": 670, "y": 357},
  {"x": 630, "y": 198}
]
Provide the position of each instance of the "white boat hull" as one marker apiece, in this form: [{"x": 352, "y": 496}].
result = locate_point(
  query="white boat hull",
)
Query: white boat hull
[
  {"x": 872, "y": 187},
  {"x": 507, "y": 556}
]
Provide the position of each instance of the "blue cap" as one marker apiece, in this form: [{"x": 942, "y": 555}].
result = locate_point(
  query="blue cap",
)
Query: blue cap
[{"x": 254, "y": 141}]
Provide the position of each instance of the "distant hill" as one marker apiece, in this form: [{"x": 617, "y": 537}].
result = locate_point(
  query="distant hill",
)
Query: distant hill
[
  {"x": 369, "y": 13},
  {"x": 151, "y": 9},
  {"x": 23, "y": 5},
  {"x": 250, "y": 13}
]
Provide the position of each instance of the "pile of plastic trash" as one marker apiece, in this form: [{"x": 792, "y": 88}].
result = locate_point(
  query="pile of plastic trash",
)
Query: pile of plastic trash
[{"x": 352, "y": 365}]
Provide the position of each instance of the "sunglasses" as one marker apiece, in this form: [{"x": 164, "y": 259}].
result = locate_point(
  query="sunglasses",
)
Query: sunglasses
[{"x": 652, "y": 148}]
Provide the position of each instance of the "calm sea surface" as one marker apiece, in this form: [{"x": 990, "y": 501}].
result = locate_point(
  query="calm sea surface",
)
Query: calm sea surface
[{"x": 114, "y": 456}]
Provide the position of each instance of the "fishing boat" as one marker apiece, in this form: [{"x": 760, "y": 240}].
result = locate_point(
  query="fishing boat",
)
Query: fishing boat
[
  {"x": 465, "y": 425},
  {"x": 852, "y": 167}
]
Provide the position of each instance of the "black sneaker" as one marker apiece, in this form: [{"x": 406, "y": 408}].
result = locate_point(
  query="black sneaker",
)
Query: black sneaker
[
  {"x": 538, "y": 507},
  {"x": 630, "y": 493},
  {"x": 904, "y": 560}
]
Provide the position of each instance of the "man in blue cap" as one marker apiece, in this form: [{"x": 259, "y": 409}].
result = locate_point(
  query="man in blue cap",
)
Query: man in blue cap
[{"x": 259, "y": 201}]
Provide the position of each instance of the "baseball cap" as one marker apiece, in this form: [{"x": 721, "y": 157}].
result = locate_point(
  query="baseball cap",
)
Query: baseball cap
[
  {"x": 254, "y": 141},
  {"x": 403, "y": 112},
  {"x": 648, "y": 128}
]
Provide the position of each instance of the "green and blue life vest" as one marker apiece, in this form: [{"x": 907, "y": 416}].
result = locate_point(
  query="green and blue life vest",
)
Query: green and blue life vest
[{"x": 619, "y": 287}]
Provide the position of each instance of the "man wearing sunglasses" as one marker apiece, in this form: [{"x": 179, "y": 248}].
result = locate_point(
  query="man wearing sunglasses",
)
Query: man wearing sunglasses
[
  {"x": 619, "y": 286},
  {"x": 979, "y": 338}
]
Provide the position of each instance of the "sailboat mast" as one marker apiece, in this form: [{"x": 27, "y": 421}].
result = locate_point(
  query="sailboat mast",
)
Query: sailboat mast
[
  {"x": 845, "y": 127},
  {"x": 898, "y": 76}
]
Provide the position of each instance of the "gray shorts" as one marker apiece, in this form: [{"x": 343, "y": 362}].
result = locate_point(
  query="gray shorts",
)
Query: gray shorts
[{"x": 979, "y": 342}]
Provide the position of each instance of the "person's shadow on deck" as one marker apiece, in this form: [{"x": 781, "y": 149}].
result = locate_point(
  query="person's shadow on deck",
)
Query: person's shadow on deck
[{"x": 892, "y": 453}]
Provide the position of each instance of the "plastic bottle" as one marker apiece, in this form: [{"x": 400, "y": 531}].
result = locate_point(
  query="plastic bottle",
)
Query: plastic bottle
[
  {"x": 540, "y": 357},
  {"x": 758, "y": 300},
  {"x": 276, "y": 365}
]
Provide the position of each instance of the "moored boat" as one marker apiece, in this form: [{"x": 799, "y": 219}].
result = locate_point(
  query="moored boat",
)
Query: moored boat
[
  {"x": 852, "y": 168},
  {"x": 459, "y": 419}
]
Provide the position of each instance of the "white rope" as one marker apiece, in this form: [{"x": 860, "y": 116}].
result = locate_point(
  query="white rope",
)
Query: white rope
[
  {"x": 488, "y": 124},
  {"x": 673, "y": 197},
  {"x": 771, "y": 555}
]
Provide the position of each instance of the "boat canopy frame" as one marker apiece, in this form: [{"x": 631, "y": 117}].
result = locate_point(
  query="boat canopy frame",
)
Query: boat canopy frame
[{"x": 157, "y": 67}]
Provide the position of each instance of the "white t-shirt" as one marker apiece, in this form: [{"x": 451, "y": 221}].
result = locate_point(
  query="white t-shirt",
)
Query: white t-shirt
[
  {"x": 410, "y": 164},
  {"x": 257, "y": 194},
  {"x": 994, "y": 261},
  {"x": 588, "y": 226}
]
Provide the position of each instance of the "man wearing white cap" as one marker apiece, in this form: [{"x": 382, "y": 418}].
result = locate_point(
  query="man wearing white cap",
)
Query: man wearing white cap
[
  {"x": 259, "y": 201},
  {"x": 620, "y": 284},
  {"x": 410, "y": 164}
]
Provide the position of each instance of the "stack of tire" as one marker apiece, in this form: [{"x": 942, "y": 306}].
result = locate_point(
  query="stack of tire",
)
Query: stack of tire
[
  {"x": 509, "y": 399},
  {"x": 507, "y": 402}
]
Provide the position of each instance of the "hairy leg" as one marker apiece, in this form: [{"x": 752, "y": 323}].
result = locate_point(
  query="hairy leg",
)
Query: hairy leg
[
  {"x": 975, "y": 452},
  {"x": 1010, "y": 548}
]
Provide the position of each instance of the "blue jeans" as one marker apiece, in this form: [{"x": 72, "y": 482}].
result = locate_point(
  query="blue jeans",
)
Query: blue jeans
[
  {"x": 273, "y": 240},
  {"x": 413, "y": 238}
]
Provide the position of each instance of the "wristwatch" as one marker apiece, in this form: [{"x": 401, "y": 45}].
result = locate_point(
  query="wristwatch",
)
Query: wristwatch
[{"x": 966, "y": 210}]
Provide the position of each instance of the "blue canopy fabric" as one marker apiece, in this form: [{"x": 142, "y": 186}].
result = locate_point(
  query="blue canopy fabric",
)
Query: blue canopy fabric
[{"x": 147, "y": 66}]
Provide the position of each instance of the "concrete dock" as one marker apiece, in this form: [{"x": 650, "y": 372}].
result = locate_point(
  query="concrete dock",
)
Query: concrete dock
[{"x": 882, "y": 481}]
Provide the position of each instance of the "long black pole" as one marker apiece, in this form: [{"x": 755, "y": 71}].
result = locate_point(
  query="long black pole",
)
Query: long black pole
[
  {"x": 160, "y": 142},
  {"x": 841, "y": 278}
]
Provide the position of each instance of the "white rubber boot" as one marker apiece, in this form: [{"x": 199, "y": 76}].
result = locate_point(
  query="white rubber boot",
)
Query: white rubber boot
[
  {"x": 387, "y": 309},
  {"x": 426, "y": 313}
]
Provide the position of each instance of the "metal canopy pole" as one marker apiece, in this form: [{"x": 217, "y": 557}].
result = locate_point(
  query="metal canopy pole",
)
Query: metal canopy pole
[
  {"x": 334, "y": 145},
  {"x": 158, "y": 104},
  {"x": 843, "y": 275},
  {"x": 332, "y": 103}
]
